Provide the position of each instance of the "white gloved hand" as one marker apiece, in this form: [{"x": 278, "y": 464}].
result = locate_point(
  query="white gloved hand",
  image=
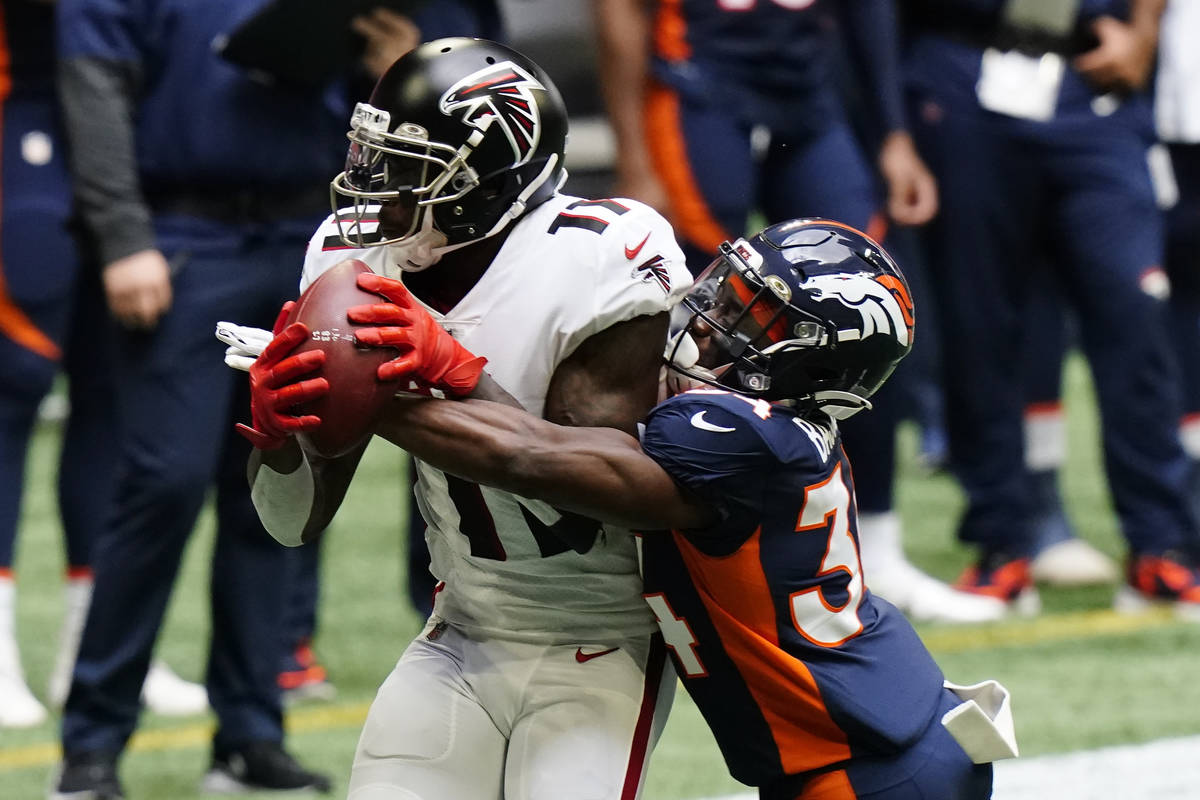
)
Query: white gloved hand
[{"x": 245, "y": 343}]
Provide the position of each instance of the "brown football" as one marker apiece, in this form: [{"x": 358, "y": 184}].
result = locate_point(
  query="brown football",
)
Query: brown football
[{"x": 356, "y": 395}]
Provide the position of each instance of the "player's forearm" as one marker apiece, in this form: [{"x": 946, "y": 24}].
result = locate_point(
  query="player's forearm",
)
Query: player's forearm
[
  {"x": 623, "y": 49},
  {"x": 296, "y": 495},
  {"x": 97, "y": 99},
  {"x": 874, "y": 33},
  {"x": 1145, "y": 16},
  {"x": 479, "y": 440},
  {"x": 600, "y": 473}
]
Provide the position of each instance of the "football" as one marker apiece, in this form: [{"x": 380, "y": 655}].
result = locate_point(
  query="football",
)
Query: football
[{"x": 356, "y": 395}]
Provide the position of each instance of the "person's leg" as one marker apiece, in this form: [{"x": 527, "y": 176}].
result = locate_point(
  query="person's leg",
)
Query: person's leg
[
  {"x": 427, "y": 736},
  {"x": 1183, "y": 267},
  {"x": 1060, "y": 557},
  {"x": 86, "y": 486},
  {"x": 977, "y": 254},
  {"x": 37, "y": 270},
  {"x": 301, "y": 676},
  {"x": 586, "y": 731},
  {"x": 170, "y": 429},
  {"x": 248, "y": 606},
  {"x": 934, "y": 766},
  {"x": 828, "y": 175},
  {"x": 1112, "y": 231},
  {"x": 87, "y": 464},
  {"x": 25, "y": 377}
]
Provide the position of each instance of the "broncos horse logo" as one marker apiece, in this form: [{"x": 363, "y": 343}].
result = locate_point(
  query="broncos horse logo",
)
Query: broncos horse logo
[
  {"x": 882, "y": 301},
  {"x": 499, "y": 95}
]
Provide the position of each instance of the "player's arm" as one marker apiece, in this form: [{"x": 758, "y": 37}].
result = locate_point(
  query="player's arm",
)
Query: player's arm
[
  {"x": 100, "y": 76},
  {"x": 295, "y": 493},
  {"x": 623, "y": 50},
  {"x": 600, "y": 473},
  {"x": 874, "y": 35},
  {"x": 611, "y": 379}
]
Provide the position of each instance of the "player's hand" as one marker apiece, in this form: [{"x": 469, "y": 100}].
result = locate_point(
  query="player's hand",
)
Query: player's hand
[
  {"x": 138, "y": 288},
  {"x": 428, "y": 353},
  {"x": 912, "y": 195},
  {"x": 389, "y": 36},
  {"x": 247, "y": 343},
  {"x": 275, "y": 387},
  {"x": 1124, "y": 58}
]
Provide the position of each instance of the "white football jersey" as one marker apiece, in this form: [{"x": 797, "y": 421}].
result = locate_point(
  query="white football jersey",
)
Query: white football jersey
[{"x": 569, "y": 269}]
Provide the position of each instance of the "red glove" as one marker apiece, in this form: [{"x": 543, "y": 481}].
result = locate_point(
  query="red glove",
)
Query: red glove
[
  {"x": 428, "y": 352},
  {"x": 274, "y": 388}
]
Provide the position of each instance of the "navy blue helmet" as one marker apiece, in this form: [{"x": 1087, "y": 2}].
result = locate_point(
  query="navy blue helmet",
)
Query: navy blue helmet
[{"x": 810, "y": 310}]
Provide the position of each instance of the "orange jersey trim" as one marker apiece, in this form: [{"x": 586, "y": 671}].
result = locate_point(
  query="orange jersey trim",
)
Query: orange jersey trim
[
  {"x": 877, "y": 227},
  {"x": 735, "y": 593},
  {"x": 690, "y": 215},
  {"x": 5, "y": 59},
  {"x": 670, "y": 32},
  {"x": 1044, "y": 409}
]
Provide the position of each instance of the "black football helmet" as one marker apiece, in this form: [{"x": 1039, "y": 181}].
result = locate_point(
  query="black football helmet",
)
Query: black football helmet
[
  {"x": 468, "y": 131},
  {"x": 811, "y": 311}
]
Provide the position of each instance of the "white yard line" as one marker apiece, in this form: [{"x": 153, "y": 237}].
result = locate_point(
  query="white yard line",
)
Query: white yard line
[{"x": 1167, "y": 769}]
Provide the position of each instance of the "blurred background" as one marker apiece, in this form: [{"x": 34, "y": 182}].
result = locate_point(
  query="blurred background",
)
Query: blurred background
[{"x": 1106, "y": 704}]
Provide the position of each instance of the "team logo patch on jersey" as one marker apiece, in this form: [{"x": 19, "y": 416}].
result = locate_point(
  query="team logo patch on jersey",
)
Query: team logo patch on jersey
[
  {"x": 654, "y": 270},
  {"x": 883, "y": 303},
  {"x": 499, "y": 95}
]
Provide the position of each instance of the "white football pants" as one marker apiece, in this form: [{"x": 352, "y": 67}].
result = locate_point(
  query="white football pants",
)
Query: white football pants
[{"x": 461, "y": 719}]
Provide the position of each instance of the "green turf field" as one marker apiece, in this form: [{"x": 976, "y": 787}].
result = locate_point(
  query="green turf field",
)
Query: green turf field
[{"x": 1081, "y": 676}]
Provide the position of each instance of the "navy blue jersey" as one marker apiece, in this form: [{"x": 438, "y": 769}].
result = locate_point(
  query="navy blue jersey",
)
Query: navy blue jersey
[
  {"x": 765, "y": 62},
  {"x": 767, "y": 44},
  {"x": 791, "y": 660}
]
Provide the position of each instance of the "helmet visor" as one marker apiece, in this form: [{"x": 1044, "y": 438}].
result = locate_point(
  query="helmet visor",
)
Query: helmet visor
[{"x": 731, "y": 304}]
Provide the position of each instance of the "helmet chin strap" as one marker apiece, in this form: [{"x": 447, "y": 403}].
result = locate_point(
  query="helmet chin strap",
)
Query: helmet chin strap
[
  {"x": 417, "y": 252},
  {"x": 427, "y": 246}
]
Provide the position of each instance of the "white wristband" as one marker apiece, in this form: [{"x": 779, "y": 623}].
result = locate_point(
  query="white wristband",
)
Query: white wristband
[{"x": 284, "y": 501}]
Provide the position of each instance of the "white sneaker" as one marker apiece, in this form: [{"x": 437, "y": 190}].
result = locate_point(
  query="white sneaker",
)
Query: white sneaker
[
  {"x": 18, "y": 707},
  {"x": 166, "y": 693},
  {"x": 1073, "y": 562},
  {"x": 923, "y": 598}
]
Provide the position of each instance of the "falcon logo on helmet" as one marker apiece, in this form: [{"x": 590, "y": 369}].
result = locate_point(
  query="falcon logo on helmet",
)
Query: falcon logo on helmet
[
  {"x": 499, "y": 95},
  {"x": 883, "y": 308}
]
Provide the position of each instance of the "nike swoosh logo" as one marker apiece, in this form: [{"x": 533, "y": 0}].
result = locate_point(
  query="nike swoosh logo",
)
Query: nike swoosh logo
[
  {"x": 698, "y": 421},
  {"x": 581, "y": 656},
  {"x": 631, "y": 252}
]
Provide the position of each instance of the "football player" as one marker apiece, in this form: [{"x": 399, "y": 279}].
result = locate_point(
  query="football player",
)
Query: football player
[
  {"x": 539, "y": 674},
  {"x": 813, "y": 686},
  {"x": 703, "y": 98}
]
